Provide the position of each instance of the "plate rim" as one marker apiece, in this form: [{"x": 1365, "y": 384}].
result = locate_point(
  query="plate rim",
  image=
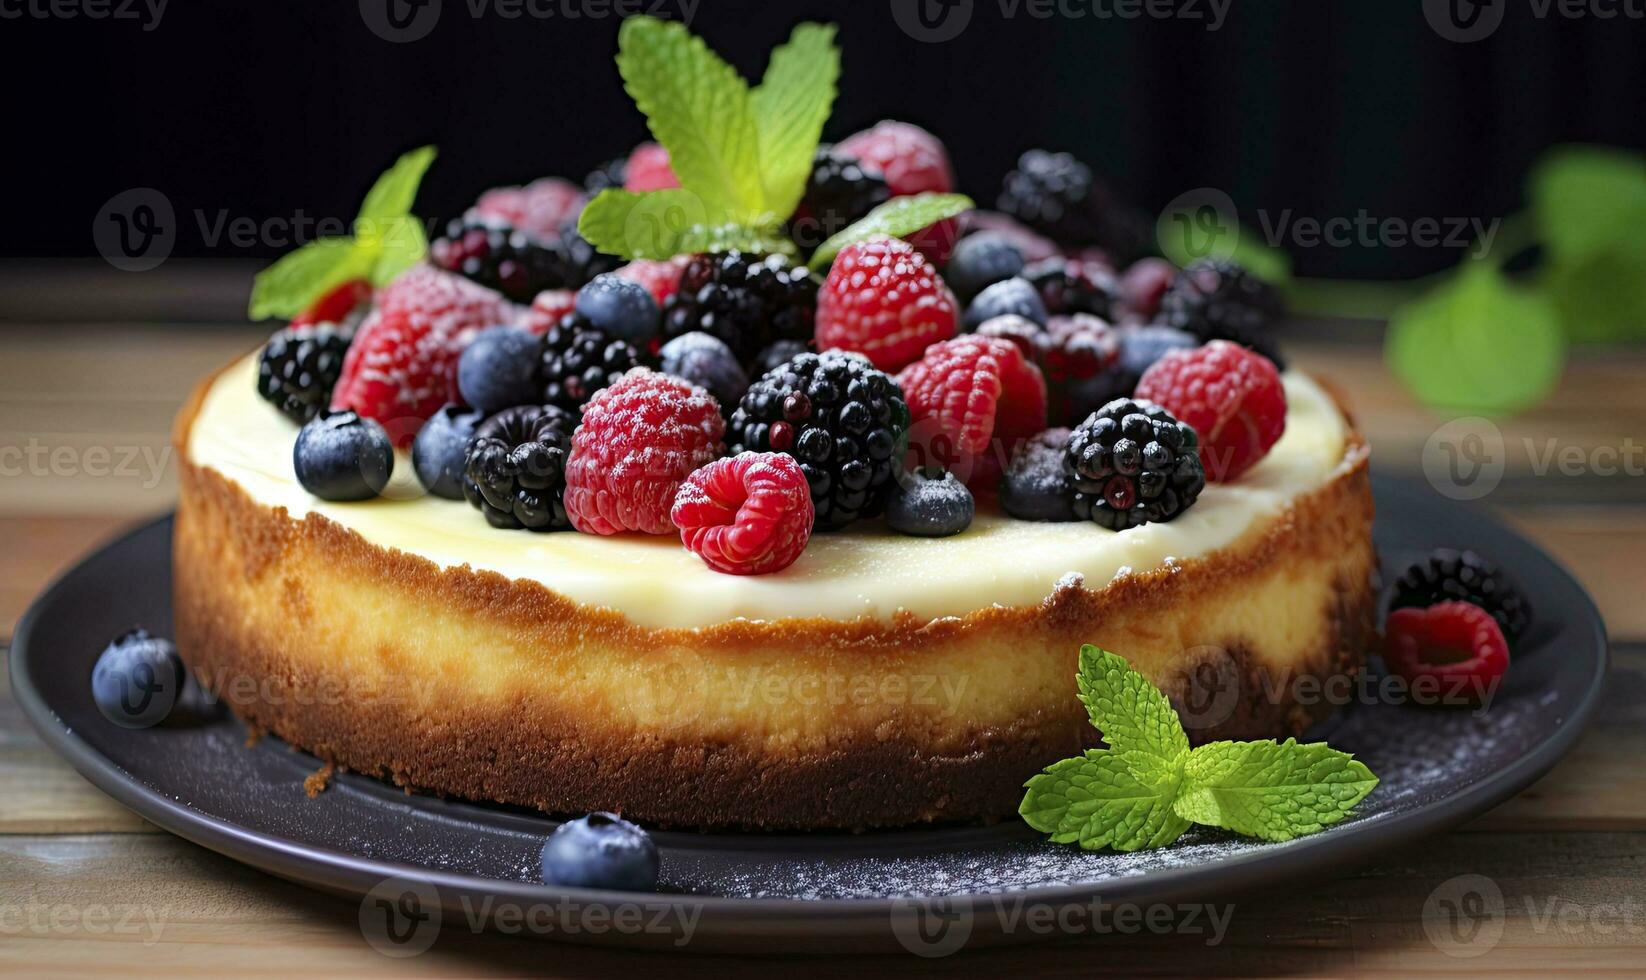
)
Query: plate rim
[{"x": 332, "y": 870}]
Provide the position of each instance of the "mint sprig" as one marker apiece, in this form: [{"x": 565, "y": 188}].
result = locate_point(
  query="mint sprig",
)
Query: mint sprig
[
  {"x": 1148, "y": 786},
  {"x": 388, "y": 239},
  {"x": 898, "y": 217}
]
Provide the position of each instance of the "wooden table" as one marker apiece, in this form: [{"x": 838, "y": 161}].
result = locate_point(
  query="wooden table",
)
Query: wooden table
[{"x": 1569, "y": 854}]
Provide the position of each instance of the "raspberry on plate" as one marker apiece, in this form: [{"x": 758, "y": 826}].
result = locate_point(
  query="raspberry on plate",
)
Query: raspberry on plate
[
  {"x": 402, "y": 366},
  {"x": 540, "y": 208},
  {"x": 883, "y": 300},
  {"x": 648, "y": 169},
  {"x": 972, "y": 400},
  {"x": 1457, "y": 644},
  {"x": 641, "y": 436},
  {"x": 1231, "y": 395},
  {"x": 746, "y": 515}
]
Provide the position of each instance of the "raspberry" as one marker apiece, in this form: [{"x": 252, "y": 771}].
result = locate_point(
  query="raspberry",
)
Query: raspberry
[
  {"x": 1455, "y": 643},
  {"x": 912, "y": 161},
  {"x": 1447, "y": 574},
  {"x": 973, "y": 399},
  {"x": 648, "y": 169},
  {"x": 660, "y": 277},
  {"x": 542, "y": 207},
  {"x": 640, "y": 438},
  {"x": 885, "y": 301},
  {"x": 402, "y": 365},
  {"x": 747, "y": 515},
  {"x": 336, "y": 305},
  {"x": 1143, "y": 284},
  {"x": 1230, "y": 395},
  {"x": 548, "y": 309}
]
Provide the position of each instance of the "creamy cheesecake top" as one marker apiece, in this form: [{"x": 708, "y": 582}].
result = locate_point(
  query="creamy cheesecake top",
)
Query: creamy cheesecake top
[{"x": 866, "y": 570}]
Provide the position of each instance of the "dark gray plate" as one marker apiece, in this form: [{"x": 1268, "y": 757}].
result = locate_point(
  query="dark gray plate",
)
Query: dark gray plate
[{"x": 419, "y": 859}]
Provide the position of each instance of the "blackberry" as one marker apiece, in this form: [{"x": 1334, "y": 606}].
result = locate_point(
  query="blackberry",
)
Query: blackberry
[
  {"x": 607, "y": 176},
  {"x": 745, "y": 299},
  {"x": 578, "y": 359},
  {"x": 839, "y": 191},
  {"x": 845, "y": 422},
  {"x": 515, "y": 468},
  {"x": 1133, "y": 464},
  {"x": 1216, "y": 299},
  {"x": 1464, "y": 576},
  {"x": 514, "y": 263},
  {"x": 1058, "y": 196},
  {"x": 1074, "y": 286},
  {"x": 300, "y": 366}
]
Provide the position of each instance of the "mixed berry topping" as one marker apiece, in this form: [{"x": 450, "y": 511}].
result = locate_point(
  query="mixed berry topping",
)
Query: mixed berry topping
[
  {"x": 514, "y": 468},
  {"x": 498, "y": 369},
  {"x": 883, "y": 300},
  {"x": 440, "y": 451},
  {"x": 1448, "y": 575},
  {"x": 620, "y": 308},
  {"x": 748, "y": 514},
  {"x": 705, "y": 360},
  {"x": 1231, "y": 395},
  {"x": 1133, "y": 464}
]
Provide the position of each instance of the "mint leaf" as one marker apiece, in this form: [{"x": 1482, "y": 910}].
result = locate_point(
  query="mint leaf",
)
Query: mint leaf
[
  {"x": 1477, "y": 344},
  {"x": 1275, "y": 791},
  {"x": 1590, "y": 204},
  {"x": 391, "y": 196},
  {"x": 658, "y": 224},
  {"x": 1131, "y": 713},
  {"x": 790, "y": 106},
  {"x": 402, "y": 245},
  {"x": 897, "y": 218},
  {"x": 298, "y": 278},
  {"x": 697, "y": 106},
  {"x": 1121, "y": 800}
]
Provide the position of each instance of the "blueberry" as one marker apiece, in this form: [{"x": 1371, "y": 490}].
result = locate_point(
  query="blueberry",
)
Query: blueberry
[
  {"x": 441, "y": 447},
  {"x": 498, "y": 369},
  {"x": 930, "y": 504},
  {"x": 704, "y": 359},
  {"x": 341, "y": 456},
  {"x": 137, "y": 679},
  {"x": 1014, "y": 296},
  {"x": 1140, "y": 347},
  {"x": 601, "y": 850},
  {"x": 1038, "y": 485},
  {"x": 981, "y": 260},
  {"x": 620, "y": 308}
]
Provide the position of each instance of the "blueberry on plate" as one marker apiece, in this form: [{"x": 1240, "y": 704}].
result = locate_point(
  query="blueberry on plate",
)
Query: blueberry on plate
[
  {"x": 1015, "y": 296},
  {"x": 601, "y": 850},
  {"x": 440, "y": 449},
  {"x": 1038, "y": 485},
  {"x": 341, "y": 456},
  {"x": 930, "y": 504},
  {"x": 137, "y": 679},
  {"x": 981, "y": 260},
  {"x": 498, "y": 369},
  {"x": 704, "y": 359},
  {"x": 620, "y": 308}
]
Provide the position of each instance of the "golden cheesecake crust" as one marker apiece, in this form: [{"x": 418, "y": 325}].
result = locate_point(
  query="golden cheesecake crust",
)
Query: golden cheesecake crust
[{"x": 464, "y": 682}]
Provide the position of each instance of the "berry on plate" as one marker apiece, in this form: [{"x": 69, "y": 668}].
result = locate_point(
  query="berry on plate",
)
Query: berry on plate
[
  {"x": 441, "y": 448},
  {"x": 514, "y": 471},
  {"x": 1008, "y": 297},
  {"x": 1448, "y": 574},
  {"x": 641, "y": 436},
  {"x": 1232, "y": 397},
  {"x": 705, "y": 360},
  {"x": 499, "y": 369},
  {"x": 601, "y": 850},
  {"x": 137, "y": 679},
  {"x": 648, "y": 169},
  {"x": 620, "y": 308},
  {"x": 840, "y": 418},
  {"x": 930, "y": 503},
  {"x": 749, "y": 514},
  {"x": 1133, "y": 463},
  {"x": 1457, "y": 644},
  {"x": 883, "y": 300},
  {"x": 541, "y": 208},
  {"x": 402, "y": 366},
  {"x": 339, "y": 455},
  {"x": 1039, "y": 485},
  {"x": 299, "y": 368},
  {"x": 972, "y": 400}
]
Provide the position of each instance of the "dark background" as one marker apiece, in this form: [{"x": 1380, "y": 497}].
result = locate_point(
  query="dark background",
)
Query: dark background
[{"x": 1322, "y": 107}]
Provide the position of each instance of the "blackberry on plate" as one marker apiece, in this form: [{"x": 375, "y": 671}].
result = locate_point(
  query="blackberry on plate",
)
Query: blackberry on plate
[
  {"x": 1058, "y": 196},
  {"x": 1074, "y": 286},
  {"x": 845, "y": 422},
  {"x": 1133, "y": 464},
  {"x": 1464, "y": 576},
  {"x": 839, "y": 191},
  {"x": 515, "y": 470},
  {"x": 746, "y": 299},
  {"x": 578, "y": 360},
  {"x": 1216, "y": 299},
  {"x": 514, "y": 263},
  {"x": 300, "y": 366}
]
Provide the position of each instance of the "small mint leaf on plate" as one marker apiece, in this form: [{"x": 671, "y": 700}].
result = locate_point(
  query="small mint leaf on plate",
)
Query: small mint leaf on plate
[
  {"x": 1120, "y": 800},
  {"x": 790, "y": 105},
  {"x": 898, "y": 217},
  {"x": 1272, "y": 790},
  {"x": 1130, "y": 712}
]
